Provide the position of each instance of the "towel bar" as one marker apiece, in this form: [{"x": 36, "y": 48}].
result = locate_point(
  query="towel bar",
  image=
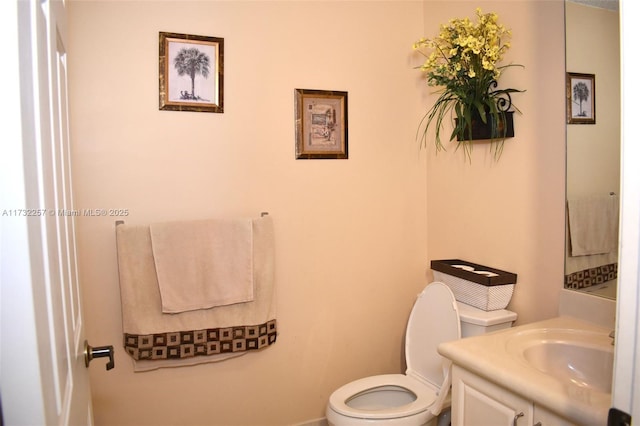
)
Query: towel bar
[{"x": 121, "y": 222}]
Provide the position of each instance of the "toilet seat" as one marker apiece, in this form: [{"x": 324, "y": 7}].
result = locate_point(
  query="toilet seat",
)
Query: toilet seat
[
  {"x": 424, "y": 397},
  {"x": 434, "y": 319}
]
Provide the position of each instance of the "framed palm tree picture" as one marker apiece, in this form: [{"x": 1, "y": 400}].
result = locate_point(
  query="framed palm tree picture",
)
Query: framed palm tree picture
[
  {"x": 191, "y": 72},
  {"x": 581, "y": 98}
]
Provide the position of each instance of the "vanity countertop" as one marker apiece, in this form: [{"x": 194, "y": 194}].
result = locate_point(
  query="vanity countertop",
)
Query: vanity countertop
[{"x": 491, "y": 357}]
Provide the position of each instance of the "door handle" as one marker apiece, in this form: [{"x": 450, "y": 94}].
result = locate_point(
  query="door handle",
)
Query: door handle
[{"x": 98, "y": 352}]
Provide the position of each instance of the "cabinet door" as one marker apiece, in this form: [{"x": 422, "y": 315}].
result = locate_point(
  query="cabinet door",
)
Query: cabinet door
[{"x": 478, "y": 402}]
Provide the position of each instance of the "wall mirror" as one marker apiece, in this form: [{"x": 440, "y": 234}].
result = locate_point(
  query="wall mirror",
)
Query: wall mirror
[{"x": 593, "y": 145}]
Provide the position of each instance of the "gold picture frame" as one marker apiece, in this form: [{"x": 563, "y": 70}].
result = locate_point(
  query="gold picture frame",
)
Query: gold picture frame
[
  {"x": 191, "y": 72},
  {"x": 321, "y": 124},
  {"x": 581, "y": 98}
]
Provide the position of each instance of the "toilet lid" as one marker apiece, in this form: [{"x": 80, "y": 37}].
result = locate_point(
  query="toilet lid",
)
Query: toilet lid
[{"x": 434, "y": 319}]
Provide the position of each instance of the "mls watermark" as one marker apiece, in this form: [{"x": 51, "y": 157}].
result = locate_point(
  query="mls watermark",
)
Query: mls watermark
[{"x": 64, "y": 212}]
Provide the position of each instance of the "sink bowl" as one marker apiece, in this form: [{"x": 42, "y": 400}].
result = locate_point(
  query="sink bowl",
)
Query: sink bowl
[
  {"x": 583, "y": 366},
  {"x": 583, "y": 359}
]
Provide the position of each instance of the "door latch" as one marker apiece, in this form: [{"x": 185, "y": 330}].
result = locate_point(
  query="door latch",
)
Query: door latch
[{"x": 98, "y": 352}]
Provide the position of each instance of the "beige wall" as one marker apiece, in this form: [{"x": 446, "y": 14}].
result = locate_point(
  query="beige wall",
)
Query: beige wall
[
  {"x": 593, "y": 47},
  {"x": 510, "y": 214},
  {"x": 353, "y": 237}
]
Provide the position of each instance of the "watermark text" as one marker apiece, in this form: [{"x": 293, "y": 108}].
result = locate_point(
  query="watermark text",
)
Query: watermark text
[{"x": 64, "y": 212}]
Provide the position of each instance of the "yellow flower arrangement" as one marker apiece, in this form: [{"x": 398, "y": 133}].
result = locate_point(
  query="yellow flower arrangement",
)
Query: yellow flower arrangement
[{"x": 464, "y": 61}]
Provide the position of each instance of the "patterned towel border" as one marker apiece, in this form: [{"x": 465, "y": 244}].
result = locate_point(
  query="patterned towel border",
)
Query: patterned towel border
[
  {"x": 591, "y": 276},
  {"x": 211, "y": 341}
]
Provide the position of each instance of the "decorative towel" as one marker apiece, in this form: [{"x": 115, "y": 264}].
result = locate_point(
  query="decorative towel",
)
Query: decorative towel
[
  {"x": 154, "y": 339},
  {"x": 202, "y": 264},
  {"x": 593, "y": 224}
]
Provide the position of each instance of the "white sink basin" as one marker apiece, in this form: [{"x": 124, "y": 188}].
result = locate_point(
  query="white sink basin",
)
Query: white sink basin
[
  {"x": 582, "y": 358},
  {"x": 581, "y": 365}
]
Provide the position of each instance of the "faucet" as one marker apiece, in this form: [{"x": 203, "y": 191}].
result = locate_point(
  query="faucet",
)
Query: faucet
[{"x": 613, "y": 336}]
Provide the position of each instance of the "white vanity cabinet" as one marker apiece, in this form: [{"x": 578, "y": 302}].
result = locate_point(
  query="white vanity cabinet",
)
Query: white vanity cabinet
[
  {"x": 544, "y": 417},
  {"x": 479, "y": 402}
]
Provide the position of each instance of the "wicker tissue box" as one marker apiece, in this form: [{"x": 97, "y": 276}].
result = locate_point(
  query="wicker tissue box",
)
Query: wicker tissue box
[{"x": 480, "y": 286}]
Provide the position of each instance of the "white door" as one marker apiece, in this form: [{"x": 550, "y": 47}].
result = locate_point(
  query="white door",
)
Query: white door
[
  {"x": 44, "y": 380},
  {"x": 626, "y": 382}
]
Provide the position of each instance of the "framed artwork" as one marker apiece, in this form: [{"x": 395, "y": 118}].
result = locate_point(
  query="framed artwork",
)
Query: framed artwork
[
  {"x": 321, "y": 124},
  {"x": 191, "y": 71},
  {"x": 581, "y": 98}
]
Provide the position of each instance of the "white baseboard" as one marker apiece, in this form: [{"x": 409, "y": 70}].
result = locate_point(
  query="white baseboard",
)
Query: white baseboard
[{"x": 316, "y": 422}]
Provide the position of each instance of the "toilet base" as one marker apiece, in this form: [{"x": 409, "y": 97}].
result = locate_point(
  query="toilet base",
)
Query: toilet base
[{"x": 444, "y": 419}]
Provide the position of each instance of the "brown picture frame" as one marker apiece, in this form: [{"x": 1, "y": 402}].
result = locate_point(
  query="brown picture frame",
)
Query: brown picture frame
[
  {"x": 581, "y": 98},
  {"x": 321, "y": 124},
  {"x": 191, "y": 73}
]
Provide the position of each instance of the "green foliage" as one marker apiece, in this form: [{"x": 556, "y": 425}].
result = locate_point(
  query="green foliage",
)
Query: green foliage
[{"x": 463, "y": 61}]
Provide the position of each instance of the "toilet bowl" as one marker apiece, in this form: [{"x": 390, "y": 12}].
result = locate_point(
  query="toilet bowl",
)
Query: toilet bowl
[{"x": 418, "y": 396}]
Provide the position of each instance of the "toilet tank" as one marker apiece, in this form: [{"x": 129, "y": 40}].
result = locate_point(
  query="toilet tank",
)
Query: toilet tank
[{"x": 474, "y": 321}]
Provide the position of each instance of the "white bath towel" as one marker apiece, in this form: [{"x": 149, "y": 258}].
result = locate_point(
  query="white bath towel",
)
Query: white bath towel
[
  {"x": 203, "y": 264},
  {"x": 593, "y": 224},
  {"x": 155, "y": 340}
]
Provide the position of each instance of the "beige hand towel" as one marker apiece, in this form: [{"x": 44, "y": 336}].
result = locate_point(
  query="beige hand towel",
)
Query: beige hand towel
[
  {"x": 593, "y": 224},
  {"x": 203, "y": 264}
]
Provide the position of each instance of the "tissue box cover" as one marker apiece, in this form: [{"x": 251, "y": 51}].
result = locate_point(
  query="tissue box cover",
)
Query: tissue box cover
[{"x": 477, "y": 285}]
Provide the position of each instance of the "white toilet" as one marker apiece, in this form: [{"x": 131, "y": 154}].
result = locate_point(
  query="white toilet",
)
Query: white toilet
[{"x": 418, "y": 396}]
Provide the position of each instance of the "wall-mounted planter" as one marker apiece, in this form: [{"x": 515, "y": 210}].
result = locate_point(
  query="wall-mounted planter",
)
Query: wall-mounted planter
[{"x": 482, "y": 131}]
